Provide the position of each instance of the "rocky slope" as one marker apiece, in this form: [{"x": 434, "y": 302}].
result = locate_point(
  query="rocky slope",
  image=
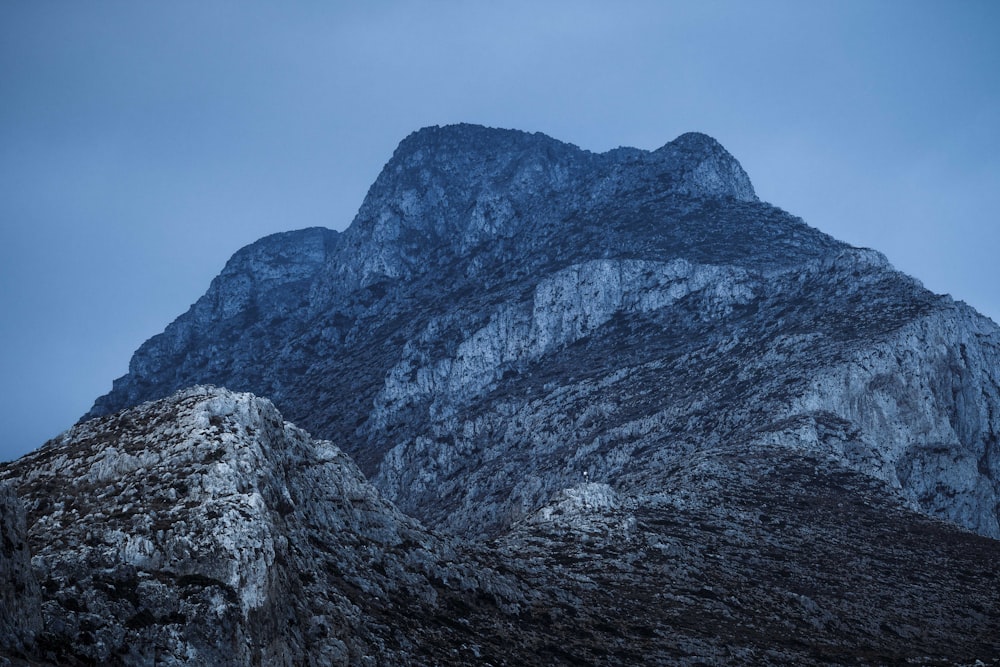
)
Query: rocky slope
[
  {"x": 203, "y": 529},
  {"x": 508, "y": 311}
]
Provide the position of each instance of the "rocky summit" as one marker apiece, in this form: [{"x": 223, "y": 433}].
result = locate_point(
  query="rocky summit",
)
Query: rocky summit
[{"x": 551, "y": 407}]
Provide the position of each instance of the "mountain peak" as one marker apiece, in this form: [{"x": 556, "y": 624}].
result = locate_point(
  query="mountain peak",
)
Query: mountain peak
[
  {"x": 445, "y": 141},
  {"x": 693, "y": 164},
  {"x": 695, "y": 141},
  {"x": 465, "y": 183},
  {"x": 700, "y": 165}
]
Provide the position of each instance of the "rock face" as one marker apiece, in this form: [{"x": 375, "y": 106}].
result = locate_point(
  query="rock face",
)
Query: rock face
[{"x": 608, "y": 404}]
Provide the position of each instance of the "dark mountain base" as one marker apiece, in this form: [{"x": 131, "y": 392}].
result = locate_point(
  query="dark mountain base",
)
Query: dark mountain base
[
  {"x": 768, "y": 557},
  {"x": 279, "y": 552}
]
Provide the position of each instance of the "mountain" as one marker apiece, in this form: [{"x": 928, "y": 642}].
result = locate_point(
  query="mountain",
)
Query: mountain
[
  {"x": 566, "y": 408},
  {"x": 508, "y": 311}
]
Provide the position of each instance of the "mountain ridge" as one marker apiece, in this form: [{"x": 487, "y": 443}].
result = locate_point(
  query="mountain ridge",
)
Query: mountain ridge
[
  {"x": 535, "y": 405},
  {"x": 348, "y": 241}
]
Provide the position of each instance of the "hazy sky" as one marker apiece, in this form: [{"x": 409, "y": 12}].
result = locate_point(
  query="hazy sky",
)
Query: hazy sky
[{"x": 142, "y": 143}]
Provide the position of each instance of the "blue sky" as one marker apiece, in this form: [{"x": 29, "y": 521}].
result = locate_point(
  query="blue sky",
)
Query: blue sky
[{"x": 142, "y": 143}]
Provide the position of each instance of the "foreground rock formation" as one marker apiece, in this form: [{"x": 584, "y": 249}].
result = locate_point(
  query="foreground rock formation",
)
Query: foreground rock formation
[
  {"x": 571, "y": 408},
  {"x": 204, "y": 529}
]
